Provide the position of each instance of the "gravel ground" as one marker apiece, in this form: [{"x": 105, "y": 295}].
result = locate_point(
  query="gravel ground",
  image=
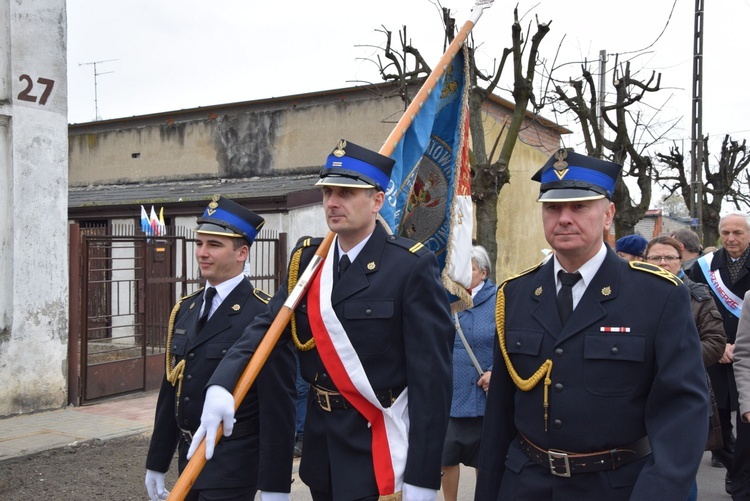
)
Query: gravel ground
[{"x": 111, "y": 470}]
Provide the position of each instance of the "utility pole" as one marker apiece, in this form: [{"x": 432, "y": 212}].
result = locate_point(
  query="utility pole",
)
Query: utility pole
[
  {"x": 696, "y": 177},
  {"x": 96, "y": 94},
  {"x": 602, "y": 93}
]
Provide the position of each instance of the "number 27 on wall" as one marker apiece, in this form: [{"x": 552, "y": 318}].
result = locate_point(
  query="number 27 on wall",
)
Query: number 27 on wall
[{"x": 26, "y": 95}]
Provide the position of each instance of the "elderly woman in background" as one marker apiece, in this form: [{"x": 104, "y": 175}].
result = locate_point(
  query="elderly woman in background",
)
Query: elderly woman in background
[
  {"x": 475, "y": 338},
  {"x": 666, "y": 252}
]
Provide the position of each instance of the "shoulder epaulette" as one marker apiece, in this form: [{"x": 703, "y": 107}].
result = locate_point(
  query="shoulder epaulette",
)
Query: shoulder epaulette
[
  {"x": 262, "y": 295},
  {"x": 655, "y": 270},
  {"x": 194, "y": 293},
  {"x": 524, "y": 272},
  {"x": 416, "y": 248},
  {"x": 307, "y": 242}
]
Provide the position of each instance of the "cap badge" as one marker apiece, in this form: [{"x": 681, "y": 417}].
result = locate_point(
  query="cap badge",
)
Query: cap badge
[
  {"x": 606, "y": 291},
  {"x": 339, "y": 151},
  {"x": 213, "y": 205},
  {"x": 538, "y": 291},
  {"x": 561, "y": 166}
]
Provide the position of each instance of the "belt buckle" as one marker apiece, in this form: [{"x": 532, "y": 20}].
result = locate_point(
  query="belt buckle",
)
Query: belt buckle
[
  {"x": 557, "y": 455},
  {"x": 325, "y": 403}
]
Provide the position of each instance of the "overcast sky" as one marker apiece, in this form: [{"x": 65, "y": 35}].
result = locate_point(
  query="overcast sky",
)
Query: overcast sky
[{"x": 177, "y": 54}]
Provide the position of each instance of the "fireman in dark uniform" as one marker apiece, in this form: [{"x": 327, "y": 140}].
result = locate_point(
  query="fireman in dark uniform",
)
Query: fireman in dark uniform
[
  {"x": 387, "y": 315},
  {"x": 598, "y": 390},
  {"x": 202, "y": 328}
]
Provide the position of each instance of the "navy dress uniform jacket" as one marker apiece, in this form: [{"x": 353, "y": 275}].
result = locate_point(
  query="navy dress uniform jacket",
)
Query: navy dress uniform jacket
[
  {"x": 722, "y": 377},
  {"x": 608, "y": 389},
  {"x": 396, "y": 313},
  {"x": 263, "y": 455}
]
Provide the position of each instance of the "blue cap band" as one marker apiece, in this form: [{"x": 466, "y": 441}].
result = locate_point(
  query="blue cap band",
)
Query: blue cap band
[
  {"x": 246, "y": 228},
  {"x": 581, "y": 174},
  {"x": 359, "y": 166}
]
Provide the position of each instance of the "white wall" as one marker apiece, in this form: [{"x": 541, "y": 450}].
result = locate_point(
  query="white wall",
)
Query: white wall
[{"x": 33, "y": 206}]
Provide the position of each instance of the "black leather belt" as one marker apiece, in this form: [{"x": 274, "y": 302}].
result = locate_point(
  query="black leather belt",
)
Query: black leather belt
[
  {"x": 329, "y": 400},
  {"x": 241, "y": 429},
  {"x": 564, "y": 463}
]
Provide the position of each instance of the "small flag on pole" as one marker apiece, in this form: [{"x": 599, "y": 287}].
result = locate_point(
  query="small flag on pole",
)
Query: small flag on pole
[
  {"x": 154, "y": 221},
  {"x": 145, "y": 222},
  {"x": 162, "y": 226},
  {"x": 429, "y": 195}
]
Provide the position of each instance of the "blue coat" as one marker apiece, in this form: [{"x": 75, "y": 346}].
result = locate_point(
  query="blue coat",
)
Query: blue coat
[
  {"x": 608, "y": 389},
  {"x": 478, "y": 326}
]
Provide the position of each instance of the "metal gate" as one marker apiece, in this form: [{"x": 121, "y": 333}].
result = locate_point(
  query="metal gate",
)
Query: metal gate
[{"x": 127, "y": 286}]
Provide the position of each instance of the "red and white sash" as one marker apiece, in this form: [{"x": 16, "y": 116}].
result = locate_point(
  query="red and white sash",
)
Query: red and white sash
[{"x": 390, "y": 426}]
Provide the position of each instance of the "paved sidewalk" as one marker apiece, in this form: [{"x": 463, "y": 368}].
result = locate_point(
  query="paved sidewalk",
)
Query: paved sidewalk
[
  {"x": 133, "y": 414},
  {"x": 121, "y": 417}
]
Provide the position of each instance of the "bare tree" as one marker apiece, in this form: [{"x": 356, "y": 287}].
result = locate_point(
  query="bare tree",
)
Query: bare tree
[
  {"x": 728, "y": 180},
  {"x": 491, "y": 173},
  {"x": 489, "y": 167},
  {"x": 624, "y": 122}
]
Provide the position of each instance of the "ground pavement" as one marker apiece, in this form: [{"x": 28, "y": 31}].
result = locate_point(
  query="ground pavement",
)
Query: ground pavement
[{"x": 133, "y": 414}]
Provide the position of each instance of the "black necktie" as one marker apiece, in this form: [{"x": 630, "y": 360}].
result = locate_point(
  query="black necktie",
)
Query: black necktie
[
  {"x": 208, "y": 299},
  {"x": 565, "y": 296},
  {"x": 343, "y": 264}
]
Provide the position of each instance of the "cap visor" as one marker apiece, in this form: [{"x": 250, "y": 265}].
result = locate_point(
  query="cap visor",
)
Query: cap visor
[
  {"x": 346, "y": 182},
  {"x": 215, "y": 229},
  {"x": 568, "y": 195}
]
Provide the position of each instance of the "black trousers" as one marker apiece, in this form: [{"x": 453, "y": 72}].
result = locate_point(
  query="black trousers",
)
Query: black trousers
[
  {"x": 325, "y": 496},
  {"x": 236, "y": 494}
]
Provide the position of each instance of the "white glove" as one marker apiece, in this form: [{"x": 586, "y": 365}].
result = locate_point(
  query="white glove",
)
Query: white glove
[
  {"x": 274, "y": 496},
  {"x": 155, "y": 485},
  {"x": 218, "y": 408},
  {"x": 414, "y": 493}
]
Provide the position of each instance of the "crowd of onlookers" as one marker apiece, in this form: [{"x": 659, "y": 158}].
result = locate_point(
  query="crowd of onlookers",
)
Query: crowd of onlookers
[{"x": 718, "y": 279}]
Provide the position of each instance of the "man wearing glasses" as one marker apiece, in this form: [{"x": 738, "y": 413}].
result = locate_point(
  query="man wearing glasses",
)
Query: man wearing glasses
[{"x": 727, "y": 273}]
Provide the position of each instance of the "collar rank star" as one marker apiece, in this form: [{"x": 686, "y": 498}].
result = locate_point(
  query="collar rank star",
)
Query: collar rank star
[{"x": 561, "y": 166}]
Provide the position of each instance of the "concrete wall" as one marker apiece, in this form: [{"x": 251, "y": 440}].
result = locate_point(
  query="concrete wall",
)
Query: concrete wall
[
  {"x": 234, "y": 144},
  {"x": 33, "y": 206},
  {"x": 520, "y": 234},
  {"x": 295, "y": 135}
]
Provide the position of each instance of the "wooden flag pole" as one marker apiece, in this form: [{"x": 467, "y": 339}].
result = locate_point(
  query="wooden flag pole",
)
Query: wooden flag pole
[{"x": 198, "y": 461}]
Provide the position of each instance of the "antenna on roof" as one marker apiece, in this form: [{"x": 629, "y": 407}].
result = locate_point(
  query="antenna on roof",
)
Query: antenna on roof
[{"x": 96, "y": 96}]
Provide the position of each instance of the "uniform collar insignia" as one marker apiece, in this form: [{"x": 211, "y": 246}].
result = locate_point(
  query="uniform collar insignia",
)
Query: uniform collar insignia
[
  {"x": 606, "y": 291},
  {"x": 538, "y": 291},
  {"x": 371, "y": 265},
  {"x": 236, "y": 307}
]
